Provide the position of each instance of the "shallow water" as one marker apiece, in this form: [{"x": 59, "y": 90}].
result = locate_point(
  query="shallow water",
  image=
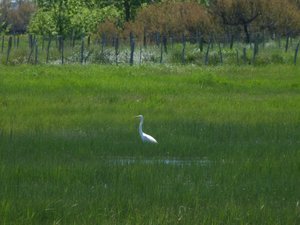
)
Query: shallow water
[{"x": 154, "y": 161}]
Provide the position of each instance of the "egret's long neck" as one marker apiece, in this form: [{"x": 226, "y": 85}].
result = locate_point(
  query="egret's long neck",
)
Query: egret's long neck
[{"x": 141, "y": 127}]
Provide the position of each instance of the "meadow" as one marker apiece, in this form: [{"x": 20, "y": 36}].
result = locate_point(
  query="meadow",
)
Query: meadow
[{"x": 228, "y": 152}]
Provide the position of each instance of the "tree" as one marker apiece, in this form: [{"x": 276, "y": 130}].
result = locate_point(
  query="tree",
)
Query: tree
[
  {"x": 280, "y": 16},
  {"x": 175, "y": 17},
  {"x": 4, "y": 9},
  {"x": 15, "y": 18},
  {"x": 129, "y": 8},
  {"x": 237, "y": 13},
  {"x": 68, "y": 17}
]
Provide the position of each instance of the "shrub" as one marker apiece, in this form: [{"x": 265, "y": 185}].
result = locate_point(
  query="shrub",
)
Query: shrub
[
  {"x": 174, "y": 18},
  {"x": 277, "y": 58}
]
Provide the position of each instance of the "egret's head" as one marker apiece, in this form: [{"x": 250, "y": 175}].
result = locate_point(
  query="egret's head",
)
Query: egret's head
[{"x": 139, "y": 116}]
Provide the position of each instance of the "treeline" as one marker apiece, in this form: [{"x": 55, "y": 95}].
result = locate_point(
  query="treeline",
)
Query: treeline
[{"x": 145, "y": 17}]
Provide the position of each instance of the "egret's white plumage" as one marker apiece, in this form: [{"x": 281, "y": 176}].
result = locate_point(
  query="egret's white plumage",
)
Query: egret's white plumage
[{"x": 145, "y": 137}]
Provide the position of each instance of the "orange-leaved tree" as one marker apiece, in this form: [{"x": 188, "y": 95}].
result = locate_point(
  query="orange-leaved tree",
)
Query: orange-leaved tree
[
  {"x": 174, "y": 18},
  {"x": 280, "y": 16}
]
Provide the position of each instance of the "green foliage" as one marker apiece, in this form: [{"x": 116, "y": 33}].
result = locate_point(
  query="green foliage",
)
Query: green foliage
[
  {"x": 277, "y": 58},
  {"x": 66, "y": 18},
  {"x": 85, "y": 20},
  {"x": 16, "y": 57},
  {"x": 43, "y": 22}
]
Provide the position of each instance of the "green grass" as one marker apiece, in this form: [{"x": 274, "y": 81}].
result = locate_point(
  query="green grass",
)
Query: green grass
[{"x": 65, "y": 130}]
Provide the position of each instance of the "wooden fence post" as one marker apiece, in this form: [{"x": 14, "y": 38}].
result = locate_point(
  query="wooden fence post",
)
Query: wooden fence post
[
  {"x": 32, "y": 47},
  {"x": 161, "y": 52},
  {"x": 201, "y": 44},
  {"x": 211, "y": 41},
  {"x": 254, "y": 55},
  {"x": 140, "y": 59},
  {"x": 88, "y": 41},
  {"x": 157, "y": 39},
  {"x": 113, "y": 41},
  {"x": 82, "y": 50},
  {"x": 62, "y": 49},
  {"x": 2, "y": 45},
  {"x": 73, "y": 39},
  {"x": 183, "y": 49},
  {"x": 279, "y": 41},
  {"x": 18, "y": 41},
  {"x": 200, "y": 41},
  {"x": 220, "y": 53},
  {"x": 264, "y": 39},
  {"x": 145, "y": 38},
  {"x": 103, "y": 43},
  {"x": 164, "y": 40},
  {"x": 296, "y": 53},
  {"x": 43, "y": 42},
  {"x": 8, "y": 48},
  {"x": 15, "y": 40},
  {"x": 198, "y": 36},
  {"x": 256, "y": 47},
  {"x": 56, "y": 42},
  {"x": 132, "y": 44},
  {"x": 30, "y": 41},
  {"x": 207, "y": 53},
  {"x": 255, "y": 51},
  {"x": 36, "y": 52},
  {"x": 48, "y": 49},
  {"x": 244, "y": 55},
  {"x": 287, "y": 42},
  {"x": 117, "y": 49},
  {"x": 226, "y": 38},
  {"x": 231, "y": 41}
]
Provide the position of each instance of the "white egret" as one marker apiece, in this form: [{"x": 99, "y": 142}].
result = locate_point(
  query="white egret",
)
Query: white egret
[{"x": 145, "y": 137}]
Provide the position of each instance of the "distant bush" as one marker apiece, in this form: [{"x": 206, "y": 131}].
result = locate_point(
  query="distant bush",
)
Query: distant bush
[
  {"x": 173, "y": 18},
  {"x": 277, "y": 58},
  {"x": 16, "y": 57},
  {"x": 280, "y": 16},
  {"x": 108, "y": 29}
]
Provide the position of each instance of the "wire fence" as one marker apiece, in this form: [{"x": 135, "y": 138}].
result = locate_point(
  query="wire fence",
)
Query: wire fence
[{"x": 156, "y": 48}]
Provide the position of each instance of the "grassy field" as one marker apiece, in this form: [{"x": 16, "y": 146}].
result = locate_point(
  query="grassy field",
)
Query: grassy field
[{"x": 228, "y": 152}]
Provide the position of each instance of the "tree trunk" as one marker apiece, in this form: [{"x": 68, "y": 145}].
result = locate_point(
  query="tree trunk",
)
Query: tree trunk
[
  {"x": 127, "y": 10},
  {"x": 246, "y": 32}
]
